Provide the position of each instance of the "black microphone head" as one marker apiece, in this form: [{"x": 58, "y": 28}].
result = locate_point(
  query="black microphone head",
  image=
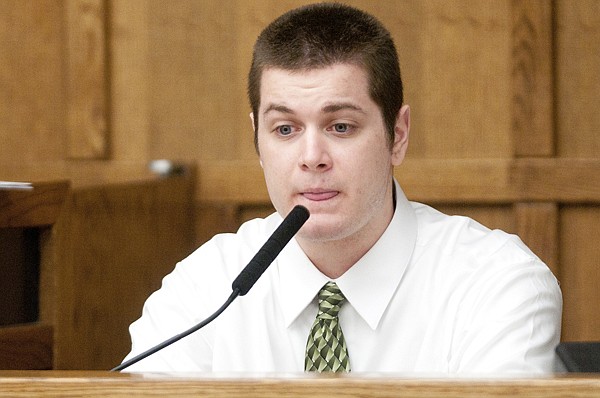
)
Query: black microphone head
[
  {"x": 290, "y": 225},
  {"x": 297, "y": 216}
]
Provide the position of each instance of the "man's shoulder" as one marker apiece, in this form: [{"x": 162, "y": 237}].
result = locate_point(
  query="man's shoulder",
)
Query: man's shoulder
[
  {"x": 470, "y": 258},
  {"x": 238, "y": 247},
  {"x": 464, "y": 236}
]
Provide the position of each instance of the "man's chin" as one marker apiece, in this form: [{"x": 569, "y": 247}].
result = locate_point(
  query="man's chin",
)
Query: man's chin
[{"x": 320, "y": 234}]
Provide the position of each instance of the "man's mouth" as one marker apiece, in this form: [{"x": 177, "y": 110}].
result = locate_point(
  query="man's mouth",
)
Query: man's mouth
[{"x": 319, "y": 195}]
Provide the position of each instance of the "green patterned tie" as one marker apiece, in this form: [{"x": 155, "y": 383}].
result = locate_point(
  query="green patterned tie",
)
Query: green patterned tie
[{"x": 326, "y": 348}]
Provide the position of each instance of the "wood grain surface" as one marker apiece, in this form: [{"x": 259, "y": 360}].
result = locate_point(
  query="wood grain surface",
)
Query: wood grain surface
[{"x": 102, "y": 384}]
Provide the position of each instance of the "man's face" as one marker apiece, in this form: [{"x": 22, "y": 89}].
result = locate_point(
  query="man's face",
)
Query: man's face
[{"x": 323, "y": 145}]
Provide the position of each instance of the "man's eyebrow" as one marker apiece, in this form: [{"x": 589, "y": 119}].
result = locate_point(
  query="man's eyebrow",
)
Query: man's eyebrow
[
  {"x": 278, "y": 108},
  {"x": 331, "y": 108}
]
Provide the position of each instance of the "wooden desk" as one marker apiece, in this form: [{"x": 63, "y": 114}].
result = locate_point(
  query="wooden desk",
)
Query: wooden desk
[{"x": 105, "y": 384}]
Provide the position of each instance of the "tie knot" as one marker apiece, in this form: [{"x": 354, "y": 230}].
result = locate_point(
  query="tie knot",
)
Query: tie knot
[{"x": 330, "y": 301}]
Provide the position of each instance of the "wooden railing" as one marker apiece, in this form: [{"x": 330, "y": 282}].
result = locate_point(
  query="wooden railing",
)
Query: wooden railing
[{"x": 104, "y": 384}]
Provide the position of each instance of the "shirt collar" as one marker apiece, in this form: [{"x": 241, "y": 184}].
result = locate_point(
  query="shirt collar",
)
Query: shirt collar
[
  {"x": 369, "y": 285},
  {"x": 299, "y": 280}
]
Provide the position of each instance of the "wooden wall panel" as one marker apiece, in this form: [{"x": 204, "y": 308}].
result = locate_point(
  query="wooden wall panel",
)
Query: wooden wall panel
[
  {"x": 197, "y": 101},
  {"x": 580, "y": 272},
  {"x": 578, "y": 78},
  {"x": 117, "y": 241},
  {"x": 532, "y": 78},
  {"x": 538, "y": 226},
  {"x": 130, "y": 83},
  {"x": 31, "y": 85},
  {"x": 87, "y": 79},
  {"x": 213, "y": 219},
  {"x": 465, "y": 112}
]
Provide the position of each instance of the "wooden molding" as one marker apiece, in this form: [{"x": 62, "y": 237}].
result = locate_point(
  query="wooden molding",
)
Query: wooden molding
[
  {"x": 502, "y": 181},
  {"x": 557, "y": 180},
  {"x": 87, "y": 79},
  {"x": 435, "y": 181},
  {"x": 40, "y": 206}
]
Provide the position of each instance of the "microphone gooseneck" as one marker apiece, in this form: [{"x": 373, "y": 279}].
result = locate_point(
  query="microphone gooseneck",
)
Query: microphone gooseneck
[
  {"x": 177, "y": 337},
  {"x": 245, "y": 280}
]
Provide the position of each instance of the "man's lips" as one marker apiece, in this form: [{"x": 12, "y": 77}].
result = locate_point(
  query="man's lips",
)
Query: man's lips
[{"x": 319, "y": 195}]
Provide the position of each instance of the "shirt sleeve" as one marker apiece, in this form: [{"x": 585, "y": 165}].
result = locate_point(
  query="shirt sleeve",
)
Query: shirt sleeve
[
  {"x": 510, "y": 320},
  {"x": 185, "y": 298}
]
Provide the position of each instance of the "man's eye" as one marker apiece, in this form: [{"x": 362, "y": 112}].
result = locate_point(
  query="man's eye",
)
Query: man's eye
[
  {"x": 284, "y": 130},
  {"x": 341, "y": 127}
]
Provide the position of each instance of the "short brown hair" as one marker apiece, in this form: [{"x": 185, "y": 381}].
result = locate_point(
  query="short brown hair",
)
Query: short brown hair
[{"x": 320, "y": 35}]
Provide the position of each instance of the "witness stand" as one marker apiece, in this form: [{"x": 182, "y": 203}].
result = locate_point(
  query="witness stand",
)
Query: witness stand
[{"x": 106, "y": 384}]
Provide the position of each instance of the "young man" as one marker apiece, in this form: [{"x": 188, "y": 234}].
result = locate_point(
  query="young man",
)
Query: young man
[{"x": 416, "y": 290}]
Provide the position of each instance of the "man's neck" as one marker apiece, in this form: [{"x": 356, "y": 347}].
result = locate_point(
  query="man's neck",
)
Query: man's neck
[{"x": 333, "y": 258}]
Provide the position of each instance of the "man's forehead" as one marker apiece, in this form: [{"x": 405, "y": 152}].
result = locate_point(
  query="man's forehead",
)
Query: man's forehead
[{"x": 334, "y": 88}]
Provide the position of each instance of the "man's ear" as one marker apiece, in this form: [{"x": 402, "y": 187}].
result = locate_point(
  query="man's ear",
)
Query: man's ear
[{"x": 401, "y": 133}]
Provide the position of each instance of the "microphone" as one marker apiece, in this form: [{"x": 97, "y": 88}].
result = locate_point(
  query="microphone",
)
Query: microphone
[
  {"x": 245, "y": 280},
  {"x": 265, "y": 256}
]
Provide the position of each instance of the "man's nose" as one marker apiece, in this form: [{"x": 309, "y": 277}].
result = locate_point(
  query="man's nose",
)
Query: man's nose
[{"x": 315, "y": 153}]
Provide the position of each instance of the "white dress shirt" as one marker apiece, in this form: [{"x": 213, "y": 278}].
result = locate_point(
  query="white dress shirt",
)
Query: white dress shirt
[{"x": 435, "y": 294}]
